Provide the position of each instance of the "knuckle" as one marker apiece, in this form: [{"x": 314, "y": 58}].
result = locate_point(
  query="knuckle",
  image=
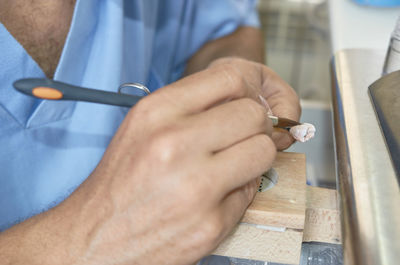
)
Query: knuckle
[
  {"x": 144, "y": 109},
  {"x": 164, "y": 146},
  {"x": 237, "y": 82}
]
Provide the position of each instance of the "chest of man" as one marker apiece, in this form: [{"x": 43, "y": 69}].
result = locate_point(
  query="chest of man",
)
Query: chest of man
[{"x": 41, "y": 27}]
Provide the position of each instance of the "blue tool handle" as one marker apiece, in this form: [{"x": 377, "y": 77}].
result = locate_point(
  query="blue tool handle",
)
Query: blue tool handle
[{"x": 55, "y": 90}]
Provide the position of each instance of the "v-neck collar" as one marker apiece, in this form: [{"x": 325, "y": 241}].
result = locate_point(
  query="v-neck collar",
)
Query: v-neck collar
[
  {"x": 30, "y": 112},
  {"x": 68, "y": 65}
]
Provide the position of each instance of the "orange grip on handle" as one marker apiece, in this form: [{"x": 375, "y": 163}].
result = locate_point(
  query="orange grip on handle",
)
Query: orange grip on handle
[{"x": 47, "y": 93}]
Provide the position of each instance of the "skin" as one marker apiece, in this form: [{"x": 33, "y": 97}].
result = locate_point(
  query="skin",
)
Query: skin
[
  {"x": 40, "y": 26},
  {"x": 207, "y": 148}
]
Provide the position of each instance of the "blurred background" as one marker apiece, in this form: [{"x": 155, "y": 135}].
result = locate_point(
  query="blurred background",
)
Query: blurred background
[
  {"x": 297, "y": 44},
  {"x": 298, "y": 49}
]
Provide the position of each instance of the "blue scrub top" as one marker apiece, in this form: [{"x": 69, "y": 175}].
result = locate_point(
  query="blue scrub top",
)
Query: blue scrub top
[{"x": 48, "y": 148}]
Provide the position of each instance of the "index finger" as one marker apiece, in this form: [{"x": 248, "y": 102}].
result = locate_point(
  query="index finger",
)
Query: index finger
[{"x": 210, "y": 87}]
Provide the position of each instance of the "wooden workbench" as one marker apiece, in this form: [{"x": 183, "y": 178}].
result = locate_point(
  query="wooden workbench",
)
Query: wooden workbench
[{"x": 281, "y": 218}]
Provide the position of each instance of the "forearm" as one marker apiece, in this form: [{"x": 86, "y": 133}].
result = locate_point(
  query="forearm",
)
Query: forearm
[
  {"x": 53, "y": 237},
  {"x": 245, "y": 42},
  {"x": 35, "y": 241}
]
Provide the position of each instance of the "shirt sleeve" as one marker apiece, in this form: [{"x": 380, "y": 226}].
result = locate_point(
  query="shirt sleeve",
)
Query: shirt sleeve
[
  {"x": 207, "y": 20},
  {"x": 213, "y": 19},
  {"x": 184, "y": 26}
]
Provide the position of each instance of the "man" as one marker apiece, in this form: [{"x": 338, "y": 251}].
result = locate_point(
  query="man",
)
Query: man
[{"x": 183, "y": 165}]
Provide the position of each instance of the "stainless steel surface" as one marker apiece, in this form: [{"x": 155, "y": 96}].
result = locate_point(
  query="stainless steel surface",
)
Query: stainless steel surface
[
  {"x": 220, "y": 260},
  {"x": 392, "y": 60},
  {"x": 385, "y": 96},
  {"x": 315, "y": 253},
  {"x": 369, "y": 192}
]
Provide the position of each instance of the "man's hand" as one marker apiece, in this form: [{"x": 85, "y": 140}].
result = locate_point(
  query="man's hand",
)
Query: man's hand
[
  {"x": 176, "y": 178},
  {"x": 248, "y": 43},
  {"x": 184, "y": 166},
  {"x": 280, "y": 97}
]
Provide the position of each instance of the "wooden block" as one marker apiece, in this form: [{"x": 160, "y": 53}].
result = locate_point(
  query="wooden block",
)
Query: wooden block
[
  {"x": 272, "y": 227},
  {"x": 322, "y": 216},
  {"x": 284, "y": 205},
  {"x": 250, "y": 242}
]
